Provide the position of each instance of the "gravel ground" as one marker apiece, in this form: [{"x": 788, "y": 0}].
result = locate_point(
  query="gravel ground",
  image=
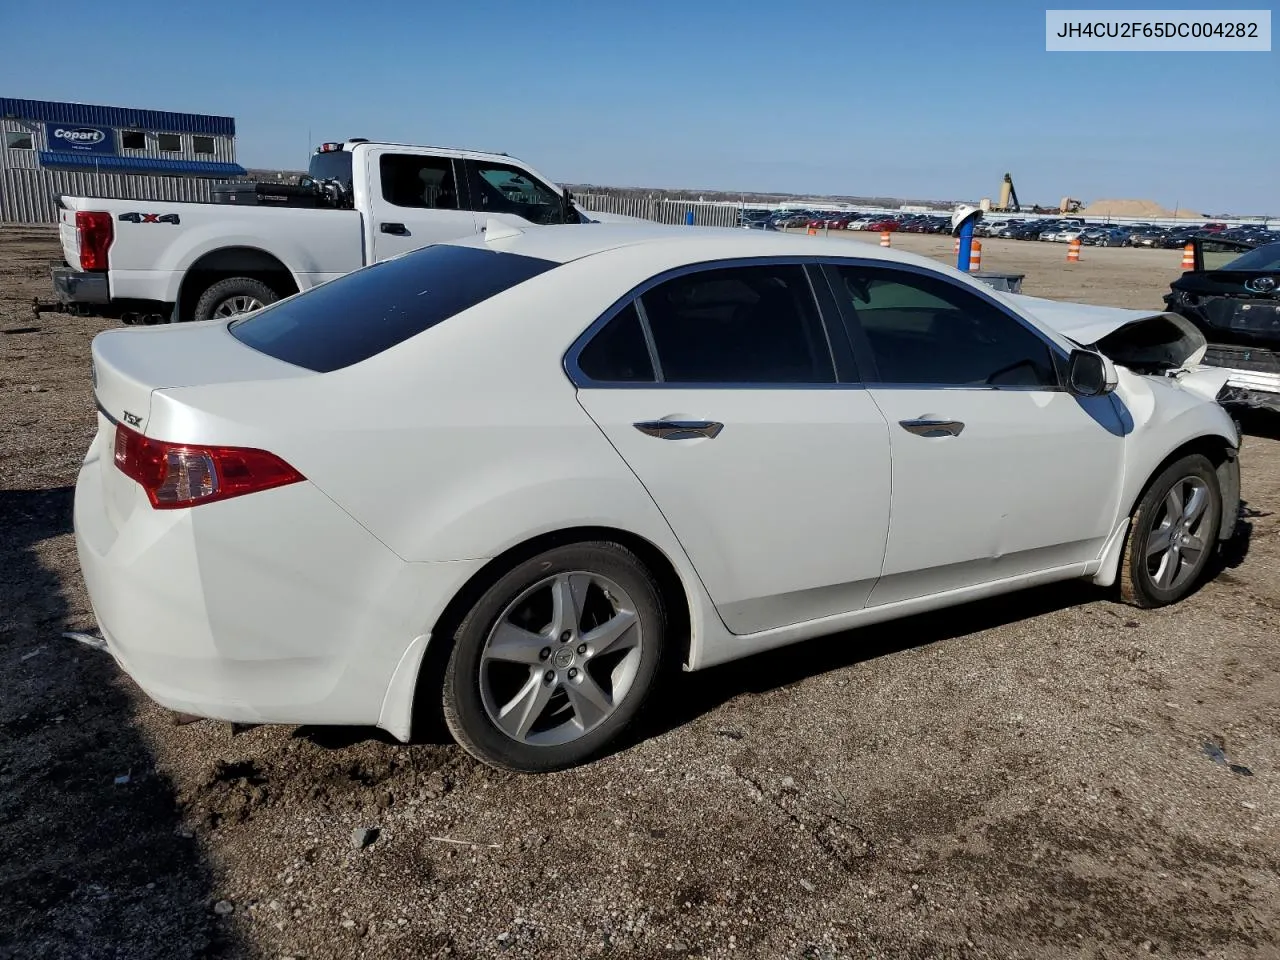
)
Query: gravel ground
[{"x": 1033, "y": 776}]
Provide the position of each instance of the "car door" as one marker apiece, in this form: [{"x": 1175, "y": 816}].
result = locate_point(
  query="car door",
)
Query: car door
[
  {"x": 511, "y": 192},
  {"x": 417, "y": 201},
  {"x": 720, "y": 389},
  {"x": 998, "y": 471}
]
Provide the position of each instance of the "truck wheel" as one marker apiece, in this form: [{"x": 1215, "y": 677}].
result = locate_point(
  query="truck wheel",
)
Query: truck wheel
[{"x": 235, "y": 295}]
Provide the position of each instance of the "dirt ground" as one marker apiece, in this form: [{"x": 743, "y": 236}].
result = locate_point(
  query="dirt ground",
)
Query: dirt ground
[{"x": 1029, "y": 777}]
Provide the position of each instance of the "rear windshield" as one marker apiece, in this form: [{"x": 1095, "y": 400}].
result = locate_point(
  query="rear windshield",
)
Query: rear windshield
[
  {"x": 1265, "y": 257},
  {"x": 366, "y": 312},
  {"x": 334, "y": 165}
]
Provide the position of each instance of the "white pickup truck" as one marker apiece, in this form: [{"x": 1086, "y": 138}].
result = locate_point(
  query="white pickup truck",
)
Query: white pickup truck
[{"x": 361, "y": 202}]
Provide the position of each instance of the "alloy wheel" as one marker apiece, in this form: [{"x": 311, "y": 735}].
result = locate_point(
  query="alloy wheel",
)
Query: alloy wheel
[
  {"x": 560, "y": 658},
  {"x": 232, "y": 306},
  {"x": 1177, "y": 542}
]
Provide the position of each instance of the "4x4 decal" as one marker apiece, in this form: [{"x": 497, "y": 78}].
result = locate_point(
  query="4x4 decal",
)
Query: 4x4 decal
[{"x": 150, "y": 218}]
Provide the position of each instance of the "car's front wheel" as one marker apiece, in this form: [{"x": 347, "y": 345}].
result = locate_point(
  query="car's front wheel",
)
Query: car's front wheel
[
  {"x": 1172, "y": 534},
  {"x": 556, "y": 658}
]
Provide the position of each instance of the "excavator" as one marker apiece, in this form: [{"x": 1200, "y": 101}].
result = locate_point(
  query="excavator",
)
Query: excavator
[{"x": 1009, "y": 201}]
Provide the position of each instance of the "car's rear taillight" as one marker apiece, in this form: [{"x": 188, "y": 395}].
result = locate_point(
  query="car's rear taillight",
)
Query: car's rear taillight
[
  {"x": 95, "y": 232},
  {"x": 184, "y": 475}
]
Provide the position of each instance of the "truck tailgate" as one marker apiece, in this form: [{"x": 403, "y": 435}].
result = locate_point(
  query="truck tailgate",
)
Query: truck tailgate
[{"x": 69, "y": 236}]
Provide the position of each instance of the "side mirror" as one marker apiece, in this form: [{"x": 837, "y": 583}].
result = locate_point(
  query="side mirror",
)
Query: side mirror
[{"x": 1090, "y": 374}]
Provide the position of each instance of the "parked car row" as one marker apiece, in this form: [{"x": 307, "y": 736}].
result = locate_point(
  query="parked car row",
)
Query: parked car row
[
  {"x": 845, "y": 220},
  {"x": 1064, "y": 230},
  {"x": 1051, "y": 229}
]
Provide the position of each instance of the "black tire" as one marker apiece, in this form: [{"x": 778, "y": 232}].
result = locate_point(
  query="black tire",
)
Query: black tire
[
  {"x": 463, "y": 703},
  {"x": 1138, "y": 584},
  {"x": 225, "y": 291}
]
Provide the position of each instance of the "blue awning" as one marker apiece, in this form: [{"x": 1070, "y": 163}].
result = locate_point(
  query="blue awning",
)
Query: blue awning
[{"x": 152, "y": 165}]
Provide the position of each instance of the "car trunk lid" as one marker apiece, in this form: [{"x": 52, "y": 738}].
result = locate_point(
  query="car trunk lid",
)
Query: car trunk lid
[{"x": 130, "y": 365}]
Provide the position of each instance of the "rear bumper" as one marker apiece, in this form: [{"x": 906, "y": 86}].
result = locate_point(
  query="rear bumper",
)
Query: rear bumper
[
  {"x": 275, "y": 607},
  {"x": 75, "y": 286}
]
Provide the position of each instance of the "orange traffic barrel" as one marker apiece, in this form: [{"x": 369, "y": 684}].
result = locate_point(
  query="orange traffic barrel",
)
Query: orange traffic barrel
[
  {"x": 1189, "y": 257},
  {"x": 955, "y": 247},
  {"x": 813, "y": 231},
  {"x": 884, "y": 238},
  {"x": 1073, "y": 251},
  {"x": 975, "y": 256}
]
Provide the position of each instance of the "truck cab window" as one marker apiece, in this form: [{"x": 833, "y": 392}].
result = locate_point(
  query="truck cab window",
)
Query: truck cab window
[
  {"x": 418, "y": 181},
  {"x": 502, "y": 188}
]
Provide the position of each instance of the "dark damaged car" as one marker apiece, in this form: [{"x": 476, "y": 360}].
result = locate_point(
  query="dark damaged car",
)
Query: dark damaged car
[{"x": 1233, "y": 298}]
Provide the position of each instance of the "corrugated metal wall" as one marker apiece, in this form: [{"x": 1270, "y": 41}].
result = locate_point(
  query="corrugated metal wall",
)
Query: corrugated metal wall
[
  {"x": 662, "y": 209},
  {"x": 31, "y": 196}
]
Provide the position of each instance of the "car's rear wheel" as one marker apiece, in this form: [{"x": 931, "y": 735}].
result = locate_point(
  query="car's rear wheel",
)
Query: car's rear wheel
[
  {"x": 233, "y": 296},
  {"x": 1172, "y": 534},
  {"x": 556, "y": 658}
]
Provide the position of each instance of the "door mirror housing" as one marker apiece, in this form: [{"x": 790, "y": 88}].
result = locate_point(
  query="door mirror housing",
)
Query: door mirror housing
[{"x": 1090, "y": 374}]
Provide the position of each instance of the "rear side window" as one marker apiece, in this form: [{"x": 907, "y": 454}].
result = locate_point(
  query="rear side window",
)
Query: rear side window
[
  {"x": 618, "y": 353},
  {"x": 409, "y": 180},
  {"x": 371, "y": 310},
  {"x": 750, "y": 324}
]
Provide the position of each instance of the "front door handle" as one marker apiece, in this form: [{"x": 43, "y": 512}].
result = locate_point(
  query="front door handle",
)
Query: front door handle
[
  {"x": 932, "y": 428},
  {"x": 395, "y": 229},
  {"x": 680, "y": 429}
]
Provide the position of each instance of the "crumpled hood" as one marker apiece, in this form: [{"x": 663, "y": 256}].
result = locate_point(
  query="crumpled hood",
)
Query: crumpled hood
[
  {"x": 1171, "y": 342},
  {"x": 1085, "y": 323}
]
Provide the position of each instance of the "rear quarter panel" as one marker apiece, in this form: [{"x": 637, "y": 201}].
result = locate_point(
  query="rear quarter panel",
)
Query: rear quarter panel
[
  {"x": 460, "y": 443},
  {"x": 149, "y": 260}
]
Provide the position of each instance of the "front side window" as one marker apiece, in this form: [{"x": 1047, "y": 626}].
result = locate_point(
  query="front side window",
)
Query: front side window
[
  {"x": 501, "y": 188},
  {"x": 133, "y": 140},
  {"x": 18, "y": 140},
  {"x": 748, "y": 324},
  {"x": 926, "y": 330},
  {"x": 424, "y": 182},
  {"x": 169, "y": 142}
]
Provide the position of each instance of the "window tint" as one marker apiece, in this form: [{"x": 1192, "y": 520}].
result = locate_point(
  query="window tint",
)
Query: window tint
[
  {"x": 415, "y": 181},
  {"x": 18, "y": 140},
  {"x": 618, "y": 352},
  {"x": 169, "y": 142},
  {"x": 499, "y": 188},
  {"x": 202, "y": 144},
  {"x": 755, "y": 324},
  {"x": 133, "y": 140},
  {"x": 926, "y": 330},
  {"x": 363, "y": 313}
]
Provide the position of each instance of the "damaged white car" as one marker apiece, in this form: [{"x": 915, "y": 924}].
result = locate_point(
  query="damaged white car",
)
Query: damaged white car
[{"x": 510, "y": 478}]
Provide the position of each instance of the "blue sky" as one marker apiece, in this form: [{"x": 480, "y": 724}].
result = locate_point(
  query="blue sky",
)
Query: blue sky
[{"x": 923, "y": 100}]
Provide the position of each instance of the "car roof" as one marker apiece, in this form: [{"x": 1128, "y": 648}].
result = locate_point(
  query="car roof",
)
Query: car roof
[{"x": 563, "y": 243}]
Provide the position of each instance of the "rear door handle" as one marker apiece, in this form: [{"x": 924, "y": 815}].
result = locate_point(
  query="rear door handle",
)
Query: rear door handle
[
  {"x": 680, "y": 429},
  {"x": 932, "y": 428},
  {"x": 395, "y": 229}
]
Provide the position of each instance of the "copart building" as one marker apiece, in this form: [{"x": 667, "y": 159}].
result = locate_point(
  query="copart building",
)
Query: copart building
[{"x": 50, "y": 149}]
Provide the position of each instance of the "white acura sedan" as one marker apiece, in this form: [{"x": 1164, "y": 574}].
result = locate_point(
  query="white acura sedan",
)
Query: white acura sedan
[{"x": 556, "y": 460}]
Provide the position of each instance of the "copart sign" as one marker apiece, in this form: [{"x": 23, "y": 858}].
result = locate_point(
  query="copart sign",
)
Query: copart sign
[{"x": 68, "y": 138}]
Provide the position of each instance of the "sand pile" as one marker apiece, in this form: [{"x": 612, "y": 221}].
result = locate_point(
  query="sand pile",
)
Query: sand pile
[{"x": 1133, "y": 208}]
